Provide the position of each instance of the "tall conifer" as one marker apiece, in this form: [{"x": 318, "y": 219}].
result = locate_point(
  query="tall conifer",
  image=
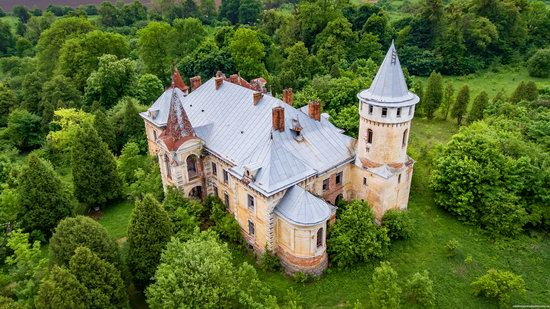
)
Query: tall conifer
[
  {"x": 461, "y": 104},
  {"x": 433, "y": 94},
  {"x": 480, "y": 103}
]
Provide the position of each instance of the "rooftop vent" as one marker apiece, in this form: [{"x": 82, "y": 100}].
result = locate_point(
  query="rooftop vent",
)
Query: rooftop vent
[{"x": 297, "y": 129}]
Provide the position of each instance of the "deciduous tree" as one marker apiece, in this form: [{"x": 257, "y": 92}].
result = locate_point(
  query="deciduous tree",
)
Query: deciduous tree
[
  {"x": 384, "y": 291},
  {"x": 248, "y": 53},
  {"x": 499, "y": 285},
  {"x": 419, "y": 289},
  {"x": 155, "y": 46},
  {"x": 24, "y": 129}
]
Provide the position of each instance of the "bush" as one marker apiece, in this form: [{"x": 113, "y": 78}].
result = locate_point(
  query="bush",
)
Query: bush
[
  {"x": 499, "y": 285},
  {"x": 384, "y": 291},
  {"x": 420, "y": 289},
  {"x": 539, "y": 64},
  {"x": 398, "y": 224},
  {"x": 452, "y": 247},
  {"x": 269, "y": 261},
  {"x": 224, "y": 223}
]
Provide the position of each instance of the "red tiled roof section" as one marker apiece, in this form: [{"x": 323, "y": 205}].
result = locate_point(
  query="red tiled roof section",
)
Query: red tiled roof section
[
  {"x": 177, "y": 81},
  {"x": 178, "y": 127}
]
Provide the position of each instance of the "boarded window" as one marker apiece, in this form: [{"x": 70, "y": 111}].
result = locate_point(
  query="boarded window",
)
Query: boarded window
[{"x": 320, "y": 238}]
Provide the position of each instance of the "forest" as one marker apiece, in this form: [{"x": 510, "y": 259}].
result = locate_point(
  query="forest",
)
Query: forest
[{"x": 86, "y": 222}]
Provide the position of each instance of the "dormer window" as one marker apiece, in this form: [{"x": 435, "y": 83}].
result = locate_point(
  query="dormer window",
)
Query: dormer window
[{"x": 384, "y": 112}]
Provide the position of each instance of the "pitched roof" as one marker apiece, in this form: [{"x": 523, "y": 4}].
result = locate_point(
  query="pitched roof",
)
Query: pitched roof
[
  {"x": 178, "y": 127},
  {"x": 303, "y": 208},
  {"x": 389, "y": 85},
  {"x": 236, "y": 130}
]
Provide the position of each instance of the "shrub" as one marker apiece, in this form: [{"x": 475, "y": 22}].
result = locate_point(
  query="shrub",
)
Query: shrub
[
  {"x": 539, "y": 64},
  {"x": 384, "y": 292},
  {"x": 499, "y": 285},
  {"x": 468, "y": 260},
  {"x": 451, "y": 247},
  {"x": 420, "y": 289},
  {"x": 269, "y": 261},
  {"x": 398, "y": 224}
]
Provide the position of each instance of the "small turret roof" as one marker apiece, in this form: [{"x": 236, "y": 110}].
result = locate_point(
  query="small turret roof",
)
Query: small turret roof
[
  {"x": 303, "y": 208},
  {"x": 178, "y": 127}
]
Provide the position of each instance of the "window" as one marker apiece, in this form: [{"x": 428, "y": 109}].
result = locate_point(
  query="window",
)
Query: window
[
  {"x": 214, "y": 169},
  {"x": 339, "y": 178},
  {"x": 167, "y": 167},
  {"x": 370, "y": 109},
  {"x": 369, "y": 136},
  {"x": 399, "y": 178},
  {"x": 364, "y": 181},
  {"x": 250, "y": 202},
  {"x": 325, "y": 185},
  {"x": 225, "y": 177},
  {"x": 215, "y": 188},
  {"x": 226, "y": 199},
  {"x": 192, "y": 166},
  {"x": 384, "y": 112},
  {"x": 251, "y": 228},
  {"x": 154, "y": 135},
  {"x": 405, "y": 138},
  {"x": 320, "y": 238},
  {"x": 399, "y": 112}
]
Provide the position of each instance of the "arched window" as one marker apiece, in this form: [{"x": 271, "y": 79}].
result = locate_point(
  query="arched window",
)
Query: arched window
[
  {"x": 320, "y": 238},
  {"x": 167, "y": 167},
  {"x": 191, "y": 166},
  {"x": 369, "y": 136},
  {"x": 405, "y": 138}
]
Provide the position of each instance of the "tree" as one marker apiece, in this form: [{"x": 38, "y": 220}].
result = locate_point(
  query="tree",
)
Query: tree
[
  {"x": 58, "y": 92},
  {"x": 419, "y": 290},
  {"x": 129, "y": 161},
  {"x": 37, "y": 24},
  {"x": 80, "y": 56},
  {"x": 114, "y": 79},
  {"x": 183, "y": 213},
  {"x": 22, "y": 13},
  {"x": 149, "y": 231},
  {"x": 132, "y": 123},
  {"x": 134, "y": 12},
  {"x": 200, "y": 272},
  {"x": 52, "y": 39},
  {"x": 347, "y": 119},
  {"x": 31, "y": 92},
  {"x": 61, "y": 289},
  {"x": 539, "y": 64},
  {"x": 355, "y": 237},
  {"x": 249, "y": 11},
  {"x": 148, "y": 89},
  {"x": 94, "y": 169},
  {"x": 230, "y": 10},
  {"x": 398, "y": 224},
  {"x": 65, "y": 126},
  {"x": 7, "y": 40},
  {"x": 333, "y": 44},
  {"x": 43, "y": 198},
  {"x": 384, "y": 291},
  {"x": 478, "y": 108},
  {"x": 110, "y": 15},
  {"x": 105, "y": 129},
  {"x": 102, "y": 281},
  {"x": 499, "y": 285},
  {"x": 248, "y": 53},
  {"x": 81, "y": 231},
  {"x": 461, "y": 104},
  {"x": 8, "y": 101},
  {"x": 433, "y": 94},
  {"x": 448, "y": 100},
  {"x": 155, "y": 46},
  {"x": 24, "y": 129},
  {"x": 191, "y": 33}
]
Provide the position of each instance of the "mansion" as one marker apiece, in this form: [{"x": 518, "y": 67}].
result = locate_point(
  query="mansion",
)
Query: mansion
[{"x": 280, "y": 169}]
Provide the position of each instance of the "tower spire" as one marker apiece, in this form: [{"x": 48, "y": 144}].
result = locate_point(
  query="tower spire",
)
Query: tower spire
[
  {"x": 389, "y": 81},
  {"x": 178, "y": 127}
]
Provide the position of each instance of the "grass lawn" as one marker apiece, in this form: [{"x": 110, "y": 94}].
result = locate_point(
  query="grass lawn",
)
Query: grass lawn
[{"x": 116, "y": 217}]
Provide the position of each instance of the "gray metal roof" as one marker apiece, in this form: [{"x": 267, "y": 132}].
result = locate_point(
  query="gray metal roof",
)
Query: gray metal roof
[
  {"x": 235, "y": 129},
  {"x": 158, "y": 112},
  {"x": 389, "y": 85},
  {"x": 303, "y": 208}
]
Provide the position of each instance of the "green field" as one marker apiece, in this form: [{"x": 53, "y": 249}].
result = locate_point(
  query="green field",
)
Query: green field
[{"x": 528, "y": 256}]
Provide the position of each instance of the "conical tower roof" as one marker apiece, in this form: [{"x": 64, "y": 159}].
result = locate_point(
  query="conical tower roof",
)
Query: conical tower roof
[
  {"x": 389, "y": 85},
  {"x": 178, "y": 127}
]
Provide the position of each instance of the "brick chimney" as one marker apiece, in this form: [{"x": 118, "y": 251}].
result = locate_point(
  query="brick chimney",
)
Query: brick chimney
[
  {"x": 219, "y": 82},
  {"x": 287, "y": 96},
  {"x": 278, "y": 115},
  {"x": 314, "y": 110},
  {"x": 257, "y": 96},
  {"x": 234, "y": 78},
  {"x": 196, "y": 82}
]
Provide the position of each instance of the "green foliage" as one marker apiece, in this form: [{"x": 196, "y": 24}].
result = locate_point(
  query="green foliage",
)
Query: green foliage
[
  {"x": 249, "y": 11},
  {"x": 184, "y": 213},
  {"x": 127, "y": 123},
  {"x": 461, "y": 104},
  {"x": 129, "y": 161},
  {"x": 539, "y": 64},
  {"x": 8, "y": 101},
  {"x": 95, "y": 176},
  {"x": 525, "y": 91},
  {"x": 58, "y": 92},
  {"x": 81, "y": 231},
  {"x": 154, "y": 47},
  {"x": 451, "y": 247},
  {"x": 334, "y": 42},
  {"x": 148, "y": 89},
  {"x": 24, "y": 130},
  {"x": 419, "y": 290},
  {"x": 61, "y": 289},
  {"x": 480, "y": 104},
  {"x": 191, "y": 33},
  {"x": 149, "y": 231},
  {"x": 105, "y": 129},
  {"x": 200, "y": 272},
  {"x": 499, "y": 285},
  {"x": 65, "y": 126},
  {"x": 269, "y": 261},
  {"x": 398, "y": 224},
  {"x": 433, "y": 95},
  {"x": 384, "y": 292},
  {"x": 147, "y": 181},
  {"x": 355, "y": 237},
  {"x": 7, "y": 39},
  {"x": 102, "y": 281},
  {"x": 248, "y": 53},
  {"x": 43, "y": 199},
  {"x": 224, "y": 223}
]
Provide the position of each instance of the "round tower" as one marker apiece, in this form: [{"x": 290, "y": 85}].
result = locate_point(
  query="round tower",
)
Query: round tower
[{"x": 386, "y": 110}]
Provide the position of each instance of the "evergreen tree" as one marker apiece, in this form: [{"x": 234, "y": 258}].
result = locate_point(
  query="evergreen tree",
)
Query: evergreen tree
[
  {"x": 132, "y": 122},
  {"x": 230, "y": 10},
  {"x": 81, "y": 231},
  {"x": 433, "y": 94},
  {"x": 149, "y": 231},
  {"x": 448, "y": 94},
  {"x": 519, "y": 93},
  {"x": 480, "y": 104},
  {"x": 43, "y": 198},
  {"x": 102, "y": 281},
  {"x": 249, "y": 11},
  {"x": 384, "y": 290},
  {"x": 105, "y": 128},
  {"x": 94, "y": 169},
  {"x": 461, "y": 104},
  {"x": 525, "y": 91},
  {"x": 61, "y": 290}
]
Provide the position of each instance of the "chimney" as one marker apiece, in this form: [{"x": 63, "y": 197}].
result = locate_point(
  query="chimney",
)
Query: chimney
[
  {"x": 234, "y": 78},
  {"x": 314, "y": 110},
  {"x": 287, "y": 96},
  {"x": 196, "y": 82},
  {"x": 219, "y": 82},
  {"x": 278, "y": 114},
  {"x": 257, "y": 97}
]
